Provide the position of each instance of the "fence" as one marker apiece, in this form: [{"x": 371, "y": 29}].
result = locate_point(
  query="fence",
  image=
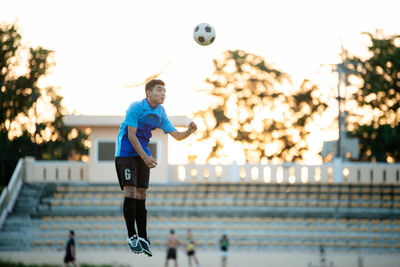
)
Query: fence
[
  {"x": 348, "y": 172},
  {"x": 10, "y": 193},
  {"x": 344, "y": 172},
  {"x": 55, "y": 170}
]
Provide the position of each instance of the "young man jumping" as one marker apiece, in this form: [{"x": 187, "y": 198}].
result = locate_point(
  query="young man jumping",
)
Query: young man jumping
[{"x": 133, "y": 159}]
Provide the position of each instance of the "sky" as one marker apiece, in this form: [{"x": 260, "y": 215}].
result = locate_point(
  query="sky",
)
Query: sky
[{"x": 104, "y": 47}]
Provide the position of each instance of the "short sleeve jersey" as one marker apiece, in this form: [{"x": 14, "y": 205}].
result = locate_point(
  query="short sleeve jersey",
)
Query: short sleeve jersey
[
  {"x": 70, "y": 243},
  {"x": 145, "y": 119},
  {"x": 224, "y": 244},
  {"x": 189, "y": 241}
]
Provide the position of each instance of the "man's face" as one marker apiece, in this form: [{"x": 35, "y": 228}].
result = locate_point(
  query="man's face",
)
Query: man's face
[{"x": 156, "y": 95}]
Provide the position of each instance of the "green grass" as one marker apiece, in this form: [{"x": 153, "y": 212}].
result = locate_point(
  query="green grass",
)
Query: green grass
[{"x": 18, "y": 264}]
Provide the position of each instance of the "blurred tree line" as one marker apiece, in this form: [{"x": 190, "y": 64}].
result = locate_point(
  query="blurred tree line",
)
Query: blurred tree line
[
  {"x": 31, "y": 118},
  {"x": 376, "y": 121},
  {"x": 250, "y": 108}
]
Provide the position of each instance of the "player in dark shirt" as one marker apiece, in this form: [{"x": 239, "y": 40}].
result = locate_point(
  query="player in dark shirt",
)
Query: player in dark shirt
[
  {"x": 70, "y": 250},
  {"x": 224, "y": 243}
]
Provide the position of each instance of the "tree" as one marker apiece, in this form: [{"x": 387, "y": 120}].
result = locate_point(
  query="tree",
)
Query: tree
[
  {"x": 251, "y": 110},
  {"x": 375, "y": 121},
  {"x": 24, "y": 128}
]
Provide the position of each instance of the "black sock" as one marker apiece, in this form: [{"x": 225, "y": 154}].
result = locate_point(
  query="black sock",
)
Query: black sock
[
  {"x": 141, "y": 217},
  {"x": 130, "y": 214}
]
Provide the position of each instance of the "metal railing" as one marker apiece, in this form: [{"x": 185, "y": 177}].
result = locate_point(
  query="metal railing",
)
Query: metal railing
[{"x": 10, "y": 193}]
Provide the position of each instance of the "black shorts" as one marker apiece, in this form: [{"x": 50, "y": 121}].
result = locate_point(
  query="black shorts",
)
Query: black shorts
[
  {"x": 132, "y": 171},
  {"x": 68, "y": 258},
  {"x": 171, "y": 254},
  {"x": 190, "y": 252}
]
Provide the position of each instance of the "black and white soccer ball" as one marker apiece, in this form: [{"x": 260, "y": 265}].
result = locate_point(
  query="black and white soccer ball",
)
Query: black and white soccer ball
[{"x": 204, "y": 34}]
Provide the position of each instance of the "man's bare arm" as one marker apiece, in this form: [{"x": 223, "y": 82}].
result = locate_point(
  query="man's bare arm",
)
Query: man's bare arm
[
  {"x": 192, "y": 127},
  {"x": 150, "y": 161}
]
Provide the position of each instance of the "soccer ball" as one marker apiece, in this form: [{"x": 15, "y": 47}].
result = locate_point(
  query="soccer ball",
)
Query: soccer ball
[{"x": 204, "y": 34}]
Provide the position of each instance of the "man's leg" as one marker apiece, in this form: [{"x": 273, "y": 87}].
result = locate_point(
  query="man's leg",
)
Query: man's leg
[
  {"x": 126, "y": 172},
  {"x": 141, "y": 212},
  {"x": 141, "y": 220},
  {"x": 190, "y": 260},
  {"x": 196, "y": 260},
  {"x": 129, "y": 209},
  {"x": 143, "y": 177}
]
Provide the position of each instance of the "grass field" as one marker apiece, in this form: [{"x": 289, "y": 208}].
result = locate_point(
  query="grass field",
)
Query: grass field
[
  {"x": 19, "y": 264},
  {"x": 206, "y": 258}
]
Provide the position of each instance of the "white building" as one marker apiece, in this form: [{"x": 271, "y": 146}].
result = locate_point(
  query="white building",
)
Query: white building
[{"x": 101, "y": 166}]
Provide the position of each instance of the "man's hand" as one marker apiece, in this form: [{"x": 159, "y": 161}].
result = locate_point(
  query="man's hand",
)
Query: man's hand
[
  {"x": 192, "y": 127},
  {"x": 150, "y": 162}
]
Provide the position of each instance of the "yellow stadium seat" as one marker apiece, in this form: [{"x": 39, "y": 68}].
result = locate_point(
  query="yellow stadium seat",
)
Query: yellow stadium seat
[
  {"x": 334, "y": 189},
  {"x": 61, "y": 189},
  {"x": 344, "y": 189},
  {"x": 38, "y": 242},
  {"x": 47, "y": 219},
  {"x": 92, "y": 188},
  {"x": 387, "y": 205},
  {"x": 355, "y": 190},
  {"x": 44, "y": 227},
  {"x": 365, "y": 190},
  {"x": 55, "y": 202},
  {"x": 49, "y": 242},
  {"x": 375, "y": 229}
]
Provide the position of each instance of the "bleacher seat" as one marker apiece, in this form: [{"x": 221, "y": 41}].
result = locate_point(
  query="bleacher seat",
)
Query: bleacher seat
[{"x": 289, "y": 217}]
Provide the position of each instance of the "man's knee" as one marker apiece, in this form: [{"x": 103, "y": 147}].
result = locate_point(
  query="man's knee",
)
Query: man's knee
[
  {"x": 141, "y": 193},
  {"x": 130, "y": 191}
]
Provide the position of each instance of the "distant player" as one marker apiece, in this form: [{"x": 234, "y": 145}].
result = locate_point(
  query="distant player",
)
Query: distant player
[
  {"x": 172, "y": 246},
  {"x": 133, "y": 159},
  {"x": 224, "y": 244},
  {"x": 190, "y": 245},
  {"x": 70, "y": 255}
]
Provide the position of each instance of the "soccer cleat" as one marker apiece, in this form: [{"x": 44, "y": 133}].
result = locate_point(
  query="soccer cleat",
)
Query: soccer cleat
[
  {"x": 145, "y": 244},
  {"x": 134, "y": 244}
]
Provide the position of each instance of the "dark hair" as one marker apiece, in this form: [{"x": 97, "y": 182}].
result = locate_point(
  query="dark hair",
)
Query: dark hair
[
  {"x": 71, "y": 232},
  {"x": 172, "y": 231},
  {"x": 150, "y": 85}
]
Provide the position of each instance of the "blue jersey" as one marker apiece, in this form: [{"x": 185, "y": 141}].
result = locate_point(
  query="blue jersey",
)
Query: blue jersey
[{"x": 145, "y": 119}]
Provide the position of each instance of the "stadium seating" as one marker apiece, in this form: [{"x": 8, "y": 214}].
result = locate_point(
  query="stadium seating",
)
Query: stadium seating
[{"x": 340, "y": 217}]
